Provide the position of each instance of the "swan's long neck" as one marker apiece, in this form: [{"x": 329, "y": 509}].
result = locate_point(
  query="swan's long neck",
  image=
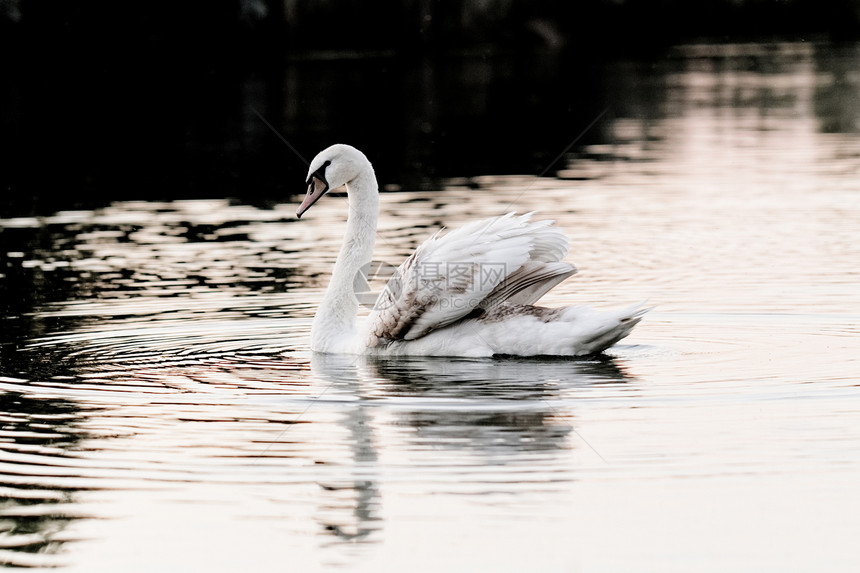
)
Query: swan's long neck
[{"x": 334, "y": 325}]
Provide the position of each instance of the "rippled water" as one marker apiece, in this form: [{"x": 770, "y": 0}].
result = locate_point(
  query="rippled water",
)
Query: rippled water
[{"x": 160, "y": 408}]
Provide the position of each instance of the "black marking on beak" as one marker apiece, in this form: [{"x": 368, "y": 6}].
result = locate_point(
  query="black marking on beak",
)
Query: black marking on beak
[
  {"x": 319, "y": 174},
  {"x": 314, "y": 192}
]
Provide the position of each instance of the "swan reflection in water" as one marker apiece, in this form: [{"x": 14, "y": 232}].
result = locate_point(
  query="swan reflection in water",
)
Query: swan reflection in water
[
  {"x": 355, "y": 430},
  {"x": 492, "y": 410}
]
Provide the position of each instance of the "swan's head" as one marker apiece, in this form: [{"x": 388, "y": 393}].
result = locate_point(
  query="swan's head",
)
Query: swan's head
[{"x": 331, "y": 168}]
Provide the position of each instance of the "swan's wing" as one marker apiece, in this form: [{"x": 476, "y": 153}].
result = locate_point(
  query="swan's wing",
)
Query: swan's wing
[
  {"x": 479, "y": 265},
  {"x": 528, "y": 283}
]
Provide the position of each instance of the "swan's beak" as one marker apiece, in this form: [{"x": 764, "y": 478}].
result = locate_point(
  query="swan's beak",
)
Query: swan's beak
[{"x": 316, "y": 189}]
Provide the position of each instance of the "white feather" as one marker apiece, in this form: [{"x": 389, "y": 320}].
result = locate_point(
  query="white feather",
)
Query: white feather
[{"x": 450, "y": 276}]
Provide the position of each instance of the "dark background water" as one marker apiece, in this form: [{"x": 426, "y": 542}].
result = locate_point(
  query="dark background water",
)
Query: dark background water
[{"x": 103, "y": 101}]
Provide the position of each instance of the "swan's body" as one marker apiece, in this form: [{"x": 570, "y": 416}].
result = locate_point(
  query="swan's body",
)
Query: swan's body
[{"x": 467, "y": 293}]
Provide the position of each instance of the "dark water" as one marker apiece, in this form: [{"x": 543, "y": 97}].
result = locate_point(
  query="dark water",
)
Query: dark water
[{"x": 160, "y": 407}]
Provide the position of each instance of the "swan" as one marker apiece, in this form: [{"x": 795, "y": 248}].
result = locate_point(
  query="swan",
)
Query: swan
[{"x": 469, "y": 292}]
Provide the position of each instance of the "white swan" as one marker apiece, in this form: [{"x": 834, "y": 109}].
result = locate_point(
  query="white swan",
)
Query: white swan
[{"x": 466, "y": 293}]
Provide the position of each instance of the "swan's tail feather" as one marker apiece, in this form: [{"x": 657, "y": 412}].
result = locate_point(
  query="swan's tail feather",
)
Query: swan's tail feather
[{"x": 617, "y": 328}]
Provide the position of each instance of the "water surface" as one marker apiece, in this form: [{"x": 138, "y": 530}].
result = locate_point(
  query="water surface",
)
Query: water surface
[{"x": 160, "y": 407}]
